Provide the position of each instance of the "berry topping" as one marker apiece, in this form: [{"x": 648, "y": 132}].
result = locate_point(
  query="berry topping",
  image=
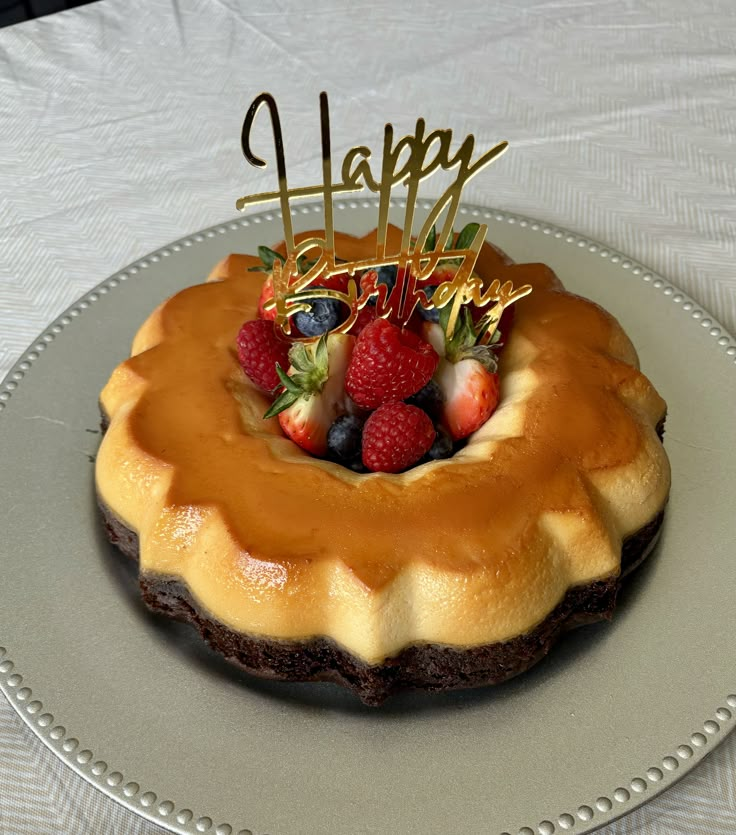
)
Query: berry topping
[
  {"x": 339, "y": 281},
  {"x": 426, "y": 387},
  {"x": 396, "y": 436},
  {"x": 387, "y": 277},
  {"x": 466, "y": 374},
  {"x": 430, "y": 315},
  {"x": 344, "y": 437},
  {"x": 260, "y": 348},
  {"x": 429, "y": 399},
  {"x": 366, "y": 315},
  {"x": 471, "y": 395},
  {"x": 388, "y": 363},
  {"x": 432, "y": 332},
  {"x": 314, "y": 391},
  {"x": 442, "y": 446},
  {"x": 323, "y": 316},
  {"x": 305, "y": 422},
  {"x": 266, "y": 296},
  {"x": 428, "y": 287}
]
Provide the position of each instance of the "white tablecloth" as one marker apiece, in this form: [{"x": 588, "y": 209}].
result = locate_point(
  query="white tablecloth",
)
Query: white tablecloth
[{"x": 120, "y": 132}]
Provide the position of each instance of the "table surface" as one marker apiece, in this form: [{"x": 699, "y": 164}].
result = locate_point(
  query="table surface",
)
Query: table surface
[{"x": 121, "y": 124}]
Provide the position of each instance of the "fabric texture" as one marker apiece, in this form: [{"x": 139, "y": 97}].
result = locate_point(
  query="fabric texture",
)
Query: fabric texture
[{"x": 120, "y": 132}]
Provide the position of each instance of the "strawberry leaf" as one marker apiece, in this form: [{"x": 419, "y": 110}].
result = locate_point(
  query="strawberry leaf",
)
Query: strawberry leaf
[
  {"x": 484, "y": 323},
  {"x": 463, "y": 241},
  {"x": 303, "y": 382},
  {"x": 268, "y": 256},
  {"x": 321, "y": 357},
  {"x": 445, "y": 318},
  {"x": 288, "y": 383},
  {"x": 431, "y": 241},
  {"x": 311, "y": 367},
  {"x": 489, "y": 318},
  {"x": 259, "y": 269},
  {"x": 467, "y": 233},
  {"x": 463, "y": 335},
  {"x": 299, "y": 357},
  {"x": 304, "y": 264},
  {"x": 282, "y": 402},
  {"x": 483, "y": 354}
]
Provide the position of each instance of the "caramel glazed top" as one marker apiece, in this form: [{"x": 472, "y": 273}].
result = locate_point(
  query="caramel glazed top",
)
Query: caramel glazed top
[{"x": 471, "y": 550}]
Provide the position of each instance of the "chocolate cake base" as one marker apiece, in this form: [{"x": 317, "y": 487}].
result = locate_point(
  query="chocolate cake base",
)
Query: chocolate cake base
[{"x": 430, "y": 667}]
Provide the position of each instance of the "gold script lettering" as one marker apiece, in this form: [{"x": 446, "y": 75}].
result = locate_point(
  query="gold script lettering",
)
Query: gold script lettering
[{"x": 409, "y": 161}]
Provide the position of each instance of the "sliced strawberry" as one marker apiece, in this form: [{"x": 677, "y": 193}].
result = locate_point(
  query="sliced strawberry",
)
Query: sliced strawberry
[
  {"x": 314, "y": 391},
  {"x": 432, "y": 332},
  {"x": 266, "y": 295},
  {"x": 335, "y": 282},
  {"x": 415, "y": 322},
  {"x": 365, "y": 316},
  {"x": 471, "y": 395},
  {"x": 306, "y": 422}
]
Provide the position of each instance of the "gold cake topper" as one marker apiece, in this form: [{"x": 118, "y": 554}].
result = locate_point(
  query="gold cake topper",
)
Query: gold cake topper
[{"x": 409, "y": 161}]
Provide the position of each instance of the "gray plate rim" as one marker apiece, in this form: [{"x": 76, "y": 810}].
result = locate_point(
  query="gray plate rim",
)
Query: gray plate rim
[{"x": 142, "y": 800}]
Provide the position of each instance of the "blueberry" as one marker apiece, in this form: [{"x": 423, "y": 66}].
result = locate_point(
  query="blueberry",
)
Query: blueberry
[
  {"x": 387, "y": 276},
  {"x": 442, "y": 446},
  {"x": 323, "y": 316},
  {"x": 344, "y": 438},
  {"x": 429, "y": 399},
  {"x": 432, "y": 315}
]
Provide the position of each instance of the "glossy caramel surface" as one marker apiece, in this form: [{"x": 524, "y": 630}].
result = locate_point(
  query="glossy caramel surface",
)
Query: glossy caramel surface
[{"x": 474, "y": 549}]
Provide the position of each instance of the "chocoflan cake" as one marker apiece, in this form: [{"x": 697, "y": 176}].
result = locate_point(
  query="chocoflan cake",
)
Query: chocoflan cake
[{"x": 456, "y": 572}]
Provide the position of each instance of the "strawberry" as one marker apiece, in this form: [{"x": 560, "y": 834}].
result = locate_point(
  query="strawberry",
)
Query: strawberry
[
  {"x": 388, "y": 363},
  {"x": 339, "y": 282},
  {"x": 466, "y": 375},
  {"x": 314, "y": 391},
  {"x": 307, "y": 422},
  {"x": 433, "y": 333},
  {"x": 260, "y": 349},
  {"x": 266, "y": 295},
  {"x": 396, "y": 436},
  {"x": 366, "y": 315},
  {"x": 471, "y": 395}
]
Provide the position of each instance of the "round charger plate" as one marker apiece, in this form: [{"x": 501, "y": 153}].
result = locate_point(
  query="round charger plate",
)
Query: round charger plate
[{"x": 140, "y": 708}]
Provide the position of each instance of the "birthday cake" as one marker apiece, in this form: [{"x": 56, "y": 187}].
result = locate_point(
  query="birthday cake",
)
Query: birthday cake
[
  {"x": 455, "y": 572},
  {"x": 391, "y": 461}
]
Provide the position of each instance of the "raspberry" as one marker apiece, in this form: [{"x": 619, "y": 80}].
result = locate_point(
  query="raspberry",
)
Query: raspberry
[
  {"x": 259, "y": 349},
  {"x": 395, "y": 437},
  {"x": 388, "y": 363}
]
